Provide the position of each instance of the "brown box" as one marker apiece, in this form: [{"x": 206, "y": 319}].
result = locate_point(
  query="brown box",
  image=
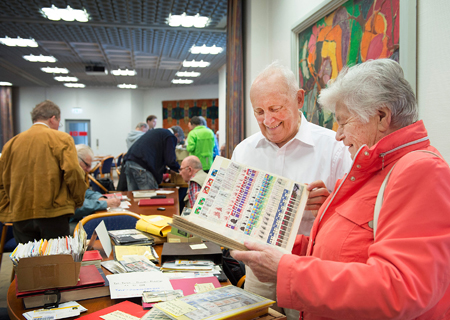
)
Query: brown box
[
  {"x": 183, "y": 250},
  {"x": 47, "y": 272}
]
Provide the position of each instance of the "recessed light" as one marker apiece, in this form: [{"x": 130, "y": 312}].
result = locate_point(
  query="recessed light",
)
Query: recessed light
[
  {"x": 183, "y": 20},
  {"x": 4, "y": 84},
  {"x": 74, "y": 85},
  {"x": 19, "y": 42},
  {"x": 127, "y": 86},
  {"x": 206, "y": 50},
  {"x": 68, "y": 14},
  {"x": 67, "y": 78},
  {"x": 40, "y": 58},
  {"x": 188, "y": 74},
  {"x": 196, "y": 64},
  {"x": 55, "y": 70},
  {"x": 182, "y": 81},
  {"x": 126, "y": 72}
]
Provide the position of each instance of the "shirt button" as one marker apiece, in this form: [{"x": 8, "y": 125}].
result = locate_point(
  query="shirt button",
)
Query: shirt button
[
  {"x": 366, "y": 153},
  {"x": 352, "y": 178},
  {"x": 358, "y": 166}
]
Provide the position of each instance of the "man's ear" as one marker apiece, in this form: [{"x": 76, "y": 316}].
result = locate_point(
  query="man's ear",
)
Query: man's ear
[
  {"x": 300, "y": 98},
  {"x": 384, "y": 119}
]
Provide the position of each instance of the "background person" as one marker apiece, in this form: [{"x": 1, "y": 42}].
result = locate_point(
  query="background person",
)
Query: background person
[
  {"x": 341, "y": 271},
  {"x": 290, "y": 146},
  {"x": 216, "y": 143},
  {"x": 151, "y": 122},
  {"x": 200, "y": 142},
  {"x": 191, "y": 171},
  {"x": 41, "y": 181},
  {"x": 135, "y": 134}
]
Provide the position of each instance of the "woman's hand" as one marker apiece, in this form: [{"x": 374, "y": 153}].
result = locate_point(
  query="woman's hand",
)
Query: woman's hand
[{"x": 318, "y": 193}]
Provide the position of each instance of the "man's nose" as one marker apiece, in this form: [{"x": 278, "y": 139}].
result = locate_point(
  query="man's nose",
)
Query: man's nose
[
  {"x": 268, "y": 118},
  {"x": 339, "y": 134}
]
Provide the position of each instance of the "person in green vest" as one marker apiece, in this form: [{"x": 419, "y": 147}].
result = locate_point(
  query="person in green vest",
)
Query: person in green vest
[{"x": 200, "y": 142}]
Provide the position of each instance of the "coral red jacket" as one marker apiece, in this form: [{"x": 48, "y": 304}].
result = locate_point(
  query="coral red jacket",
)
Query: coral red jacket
[{"x": 405, "y": 272}]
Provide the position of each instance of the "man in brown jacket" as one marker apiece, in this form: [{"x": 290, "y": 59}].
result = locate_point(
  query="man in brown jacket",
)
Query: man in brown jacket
[{"x": 41, "y": 181}]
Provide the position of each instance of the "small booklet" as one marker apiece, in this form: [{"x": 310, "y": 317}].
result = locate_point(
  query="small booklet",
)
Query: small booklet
[{"x": 238, "y": 203}]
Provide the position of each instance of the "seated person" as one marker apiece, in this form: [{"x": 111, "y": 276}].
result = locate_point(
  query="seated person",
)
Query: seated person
[
  {"x": 191, "y": 171},
  {"x": 93, "y": 200}
]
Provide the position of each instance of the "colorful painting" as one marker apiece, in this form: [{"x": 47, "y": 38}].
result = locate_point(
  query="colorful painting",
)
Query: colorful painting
[
  {"x": 179, "y": 112},
  {"x": 355, "y": 32}
]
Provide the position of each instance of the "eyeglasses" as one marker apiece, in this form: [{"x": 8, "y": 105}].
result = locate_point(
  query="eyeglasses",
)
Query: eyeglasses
[
  {"x": 60, "y": 125},
  {"x": 87, "y": 165},
  {"x": 183, "y": 168}
]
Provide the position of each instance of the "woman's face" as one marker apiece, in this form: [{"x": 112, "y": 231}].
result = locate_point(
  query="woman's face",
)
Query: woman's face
[{"x": 354, "y": 133}]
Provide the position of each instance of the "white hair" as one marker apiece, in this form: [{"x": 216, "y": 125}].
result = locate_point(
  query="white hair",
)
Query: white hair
[
  {"x": 277, "y": 68},
  {"x": 367, "y": 87},
  {"x": 84, "y": 150}
]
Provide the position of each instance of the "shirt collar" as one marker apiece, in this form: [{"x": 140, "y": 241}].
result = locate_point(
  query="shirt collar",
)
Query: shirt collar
[
  {"x": 171, "y": 131},
  {"x": 42, "y": 123},
  {"x": 303, "y": 135}
]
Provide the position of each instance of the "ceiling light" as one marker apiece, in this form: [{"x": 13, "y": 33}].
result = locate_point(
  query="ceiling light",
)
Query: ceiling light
[
  {"x": 187, "y": 21},
  {"x": 125, "y": 72},
  {"x": 55, "y": 70},
  {"x": 127, "y": 86},
  {"x": 182, "y": 81},
  {"x": 74, "y": 85},
  {"x": 206, "y": 50},
  {"x": 61, "y": 78},
  {"x": 4, "y": 83},
  {"x": 67, "y": 14},
  {"x": 19, "y": 42},
  {"x": 188, "y": 74},
  {"x": 196, "y": 64},
  {"x": 40, "y": 58}
]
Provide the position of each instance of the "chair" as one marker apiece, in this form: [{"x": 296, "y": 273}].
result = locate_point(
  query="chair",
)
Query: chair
[
  {"x": 7, "y": 241},
  {"x": 95, "y": 171},
  {"x": 117, "y": 163},
  {"x": 113, "y": 221},
  {"x": 106, "y": 165},
  {"x": 96, "y": 186}
]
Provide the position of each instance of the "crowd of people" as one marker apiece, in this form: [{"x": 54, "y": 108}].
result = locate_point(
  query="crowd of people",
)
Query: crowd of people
[{"x": 374, "y": 241}]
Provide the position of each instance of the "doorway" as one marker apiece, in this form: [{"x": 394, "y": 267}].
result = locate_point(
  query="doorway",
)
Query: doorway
[{"x": 80, "y": 130}]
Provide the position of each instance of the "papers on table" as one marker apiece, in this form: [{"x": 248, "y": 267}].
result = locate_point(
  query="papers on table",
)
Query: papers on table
[
  {"x": 65, "y": 310},
  {"x": 129, "y": 285}
]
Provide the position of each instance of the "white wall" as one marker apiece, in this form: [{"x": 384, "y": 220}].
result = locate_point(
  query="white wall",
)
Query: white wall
[{"x": 268, "y": 29}]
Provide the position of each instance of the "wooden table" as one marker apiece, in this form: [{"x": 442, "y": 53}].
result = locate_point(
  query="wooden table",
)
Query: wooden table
[{"x": 149, "y": 210}]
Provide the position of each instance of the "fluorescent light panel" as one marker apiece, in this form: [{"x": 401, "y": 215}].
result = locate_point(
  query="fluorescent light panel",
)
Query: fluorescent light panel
[
  {"x": 188, "y": 74},
  {"x": 183, "y": 20},
  {"x": 19, "y": 42},
  {"x": 55, "y": 70},
  {"x": 74, "y": 85},
  {"x": 196, "y": 64},
  {"x": 68, "y": 14},
  {"x": 40, "y": 58},
  {"x": 4, "y": 83},
  {"x": 125, "y": 72},
  {"x": 206, "y": 50},
  {"x": 127, "y": 86},
  {"x": 182, "y": 81},
  {"x": 67, "y": 78}
]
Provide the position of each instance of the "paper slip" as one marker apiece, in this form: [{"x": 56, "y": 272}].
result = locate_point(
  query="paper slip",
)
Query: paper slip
[
  {"x": 103, "y": 235},
  {"x": 65, "y": 310},
  {"x": 198, "y": 246},
  {"x": 130, "y": 285},
  {"x": 176, "y": 308},
  {"x": 203, "y": 287},
  {"x": 119, "y": 315},
  {"x": 125, "y": 204},
  {"x": 164, "y": 192}
]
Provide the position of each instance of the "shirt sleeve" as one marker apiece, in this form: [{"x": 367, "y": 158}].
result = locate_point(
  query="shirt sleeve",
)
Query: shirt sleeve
[
  {"x": 190, "y": 143},
  {"x": 170, "y": 156},
  {"x": 91, "y": 204}
]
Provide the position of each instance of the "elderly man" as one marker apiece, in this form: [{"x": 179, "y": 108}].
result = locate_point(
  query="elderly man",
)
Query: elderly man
[
  {"x": 146, "y": 160},
  {"x": 93, "y": 200},
  {"x": 41, "y": 181},
  {"x": 191, "y": 171},
  {"x": 289, "y": 146},
  {"x": 151, "y": 122},
  {"x": 140, "y": 129},
  {"x": 200, "y": 142},
  {"x": 381, "y": 246}
]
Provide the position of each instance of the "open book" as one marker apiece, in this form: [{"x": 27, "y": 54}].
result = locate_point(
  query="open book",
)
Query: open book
[{"x": 239, "y": 203}]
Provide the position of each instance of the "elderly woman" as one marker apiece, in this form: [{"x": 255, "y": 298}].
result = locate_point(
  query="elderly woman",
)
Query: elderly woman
[{"x": 342, "y": 271}]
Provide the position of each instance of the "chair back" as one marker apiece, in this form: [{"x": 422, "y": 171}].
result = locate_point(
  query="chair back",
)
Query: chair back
[
  {"x": 95, "y": 171},
  {"x": 95, "y": 185},
  {"x": 119, "y": 160},
  {"x": 105, "y": 165},
  {"x": 113, "y": 221}
]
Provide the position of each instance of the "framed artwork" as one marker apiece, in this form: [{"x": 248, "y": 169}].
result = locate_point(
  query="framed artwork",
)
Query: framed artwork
[
  {"x": 346, "y": 32},
  {"x": 179, "y": 112}
]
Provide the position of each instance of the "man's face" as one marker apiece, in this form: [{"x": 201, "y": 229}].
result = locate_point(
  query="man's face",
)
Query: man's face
[
  {"x": 85, "y": 163},
  {"x": 275, "y": 109},
  {"x": 152, "y": 124},
  {"x": 185, "y": 171}
]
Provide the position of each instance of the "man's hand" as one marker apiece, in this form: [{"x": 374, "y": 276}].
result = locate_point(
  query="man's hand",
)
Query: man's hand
[
  {"x": 113, "y": 202},
  {"x": 262, "y": 259},
  {"x": 317, "y": 195}
]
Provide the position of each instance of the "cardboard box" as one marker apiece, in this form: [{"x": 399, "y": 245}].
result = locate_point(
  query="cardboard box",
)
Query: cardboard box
[
  {"x": 47, "y": 272},
  {"x": 183, "y": 250}
]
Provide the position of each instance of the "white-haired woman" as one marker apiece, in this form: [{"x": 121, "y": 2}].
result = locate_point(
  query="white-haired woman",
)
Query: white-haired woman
[{"x": 342, "y": 271}]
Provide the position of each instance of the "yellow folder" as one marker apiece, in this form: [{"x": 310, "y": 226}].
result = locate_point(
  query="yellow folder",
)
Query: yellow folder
[{"x": 155, "y": 224}]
